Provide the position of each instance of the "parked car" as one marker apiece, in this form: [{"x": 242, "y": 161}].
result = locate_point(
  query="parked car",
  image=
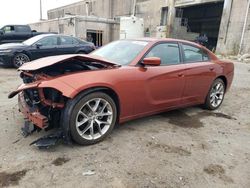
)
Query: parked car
[
  {"x": 17, "y": 33},
  {"x": 124, "y": 80},
  {"x": 16, "y": 54}
]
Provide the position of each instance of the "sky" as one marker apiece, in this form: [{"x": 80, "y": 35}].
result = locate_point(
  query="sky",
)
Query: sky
[{"x": 27, "y": 11}]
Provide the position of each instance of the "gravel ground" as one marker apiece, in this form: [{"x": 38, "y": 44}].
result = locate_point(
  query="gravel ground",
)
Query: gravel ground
[{"x": 183, "y": 148}]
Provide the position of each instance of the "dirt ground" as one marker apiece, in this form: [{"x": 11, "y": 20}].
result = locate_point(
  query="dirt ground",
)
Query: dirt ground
[{"x": 183, "y": 148}]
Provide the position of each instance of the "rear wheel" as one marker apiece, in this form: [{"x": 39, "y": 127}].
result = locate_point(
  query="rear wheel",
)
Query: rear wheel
[
  {"x": 92, "y": 118},
  {"x": 19, "y": 59},
  {"x": 215, "y": 95}
]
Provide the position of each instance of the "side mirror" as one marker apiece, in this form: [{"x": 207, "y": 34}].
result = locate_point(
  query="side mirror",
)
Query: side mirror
[
  {"x": 151, "y": 61},
  {"x": 1, "y": 32},
  {"x": 38, "y": 45}
]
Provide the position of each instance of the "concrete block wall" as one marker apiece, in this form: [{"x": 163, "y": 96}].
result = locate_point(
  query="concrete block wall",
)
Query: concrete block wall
[
  {"x": 99, "y": 8},
  {"x": 83, "y": 26},
  {"x": 193, "y": 2},
  {"x": 78, "y": 27},
  {"x": 150, "y": 11},
  {"x": 231, "y": 29},
  {"x": 121, "y": 8},
  {"x": 77, "y": 8},
  {"x": 45, "y": 26}
]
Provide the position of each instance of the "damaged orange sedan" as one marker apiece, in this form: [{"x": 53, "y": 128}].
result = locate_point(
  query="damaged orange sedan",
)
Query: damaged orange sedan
[{"x": 85, "y": 96}]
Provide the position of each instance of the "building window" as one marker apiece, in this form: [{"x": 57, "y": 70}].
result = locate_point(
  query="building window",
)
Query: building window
[{"x": 164, "y": 15}]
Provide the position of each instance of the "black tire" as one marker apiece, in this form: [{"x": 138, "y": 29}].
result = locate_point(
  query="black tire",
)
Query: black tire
[
  {"x": 209, "y": 102},
  {"x": 74, "y": 106},
  {"x": 19, "y": 59}
]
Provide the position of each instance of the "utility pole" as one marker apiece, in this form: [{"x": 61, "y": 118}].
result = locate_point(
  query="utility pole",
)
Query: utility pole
[
  {"x": 171, "y": 17},
  {"x": 41, "y": 10},
  {"x": 134, "y": 8},
  {"x": 244, "y": 27}
]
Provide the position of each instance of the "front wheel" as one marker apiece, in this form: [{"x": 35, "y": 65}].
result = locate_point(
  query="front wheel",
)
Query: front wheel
[
  {"x": 19, "y": 59},
  {"x": 92, "y": 118},
  {"x": 215, "y": 95}
]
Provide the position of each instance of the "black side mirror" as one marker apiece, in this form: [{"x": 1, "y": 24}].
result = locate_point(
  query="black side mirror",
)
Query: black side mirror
[
  {"x": 38, "y": 45},
  {"x": 1, "y": 32}
]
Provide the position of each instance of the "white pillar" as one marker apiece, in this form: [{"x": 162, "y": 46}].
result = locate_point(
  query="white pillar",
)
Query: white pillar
[{"x": 171, "y": 17}]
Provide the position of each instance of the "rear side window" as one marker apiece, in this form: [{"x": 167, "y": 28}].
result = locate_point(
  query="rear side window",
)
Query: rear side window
[
  {"x": 194, "y": 54},
  {"x": 68, "y": 40},
  {"x": 205, "y": 56},
  {"x": 168, "y": 53}
]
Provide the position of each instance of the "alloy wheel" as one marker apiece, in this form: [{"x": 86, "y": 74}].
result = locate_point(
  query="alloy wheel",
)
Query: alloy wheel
[
  {"x": 20, "y": 59},
  {"x": 94, "y": 119},
  {"x": 217, "y": 94}
]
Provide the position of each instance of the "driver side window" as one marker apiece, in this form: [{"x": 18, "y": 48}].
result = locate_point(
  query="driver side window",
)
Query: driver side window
[
  {"x": 8, "y": 29},
  {"x": 169, "y": 53},
  {"x": 48, "y": 41}
]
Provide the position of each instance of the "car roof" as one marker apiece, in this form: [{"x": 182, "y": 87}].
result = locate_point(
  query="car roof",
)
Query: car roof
[
  {"x": 53, "y": 34},
  {"x": 151, "y": 39},
  {"x": 49, "y": 34},
  {"x": 46, "y": 35},
  {"x": 156, "y": 40}
]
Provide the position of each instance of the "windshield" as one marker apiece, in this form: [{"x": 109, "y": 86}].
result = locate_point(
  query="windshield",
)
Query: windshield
[
  {"x": 121, "y": 52},
  {"x": 33, "y": 40}
]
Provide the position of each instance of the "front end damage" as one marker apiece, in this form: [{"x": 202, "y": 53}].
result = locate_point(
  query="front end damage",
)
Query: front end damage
[
  {"x": 41, "y": 99},
  {"x": 42, "y": 109}
]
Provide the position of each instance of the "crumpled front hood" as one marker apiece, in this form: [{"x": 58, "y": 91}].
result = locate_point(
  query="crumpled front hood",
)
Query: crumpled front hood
[{"x": 48, "y": 61}]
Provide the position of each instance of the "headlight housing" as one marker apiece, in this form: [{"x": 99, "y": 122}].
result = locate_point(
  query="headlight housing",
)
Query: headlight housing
[{"x": 5, "y": 51}]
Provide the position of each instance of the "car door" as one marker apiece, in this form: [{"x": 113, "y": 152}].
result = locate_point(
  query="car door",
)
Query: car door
[
  {"x": 200, "y": 73},
  {"x": 161, "y": 86},
  {"x": 67, "y": 45},
  {"x": 23, "y": 32},
  {"x": 47, "y": 46}
]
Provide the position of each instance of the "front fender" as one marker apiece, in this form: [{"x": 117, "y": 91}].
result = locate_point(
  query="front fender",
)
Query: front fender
[
  {"x": 65, "y": 89},
  {"x": 89, "y": 86},
  {"x": 61, "y": 86}
]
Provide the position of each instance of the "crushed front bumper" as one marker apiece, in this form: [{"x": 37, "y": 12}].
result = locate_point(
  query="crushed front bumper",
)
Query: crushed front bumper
[{"x": 32, "y": 115}]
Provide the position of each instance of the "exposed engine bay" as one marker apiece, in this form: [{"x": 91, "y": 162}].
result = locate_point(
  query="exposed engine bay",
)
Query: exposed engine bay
[{"x": 69, "y": 66}]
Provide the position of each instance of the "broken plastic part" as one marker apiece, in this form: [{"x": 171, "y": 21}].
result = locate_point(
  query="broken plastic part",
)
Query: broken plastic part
[
  {"x": 27, "y": 129},
  {"x": 48, "y": 141}
]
